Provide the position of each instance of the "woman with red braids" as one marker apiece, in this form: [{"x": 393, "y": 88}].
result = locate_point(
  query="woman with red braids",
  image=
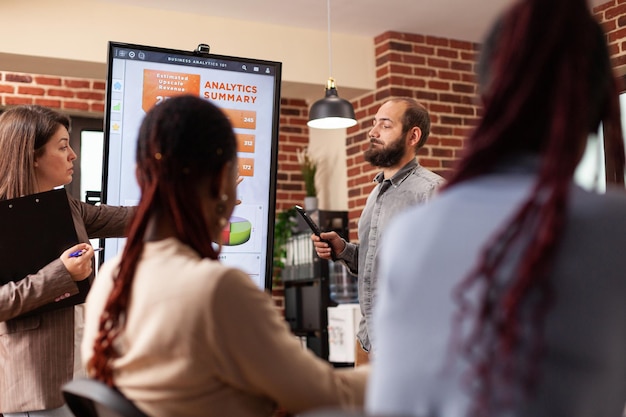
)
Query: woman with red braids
[
  {"x": 505, "y": 296},
  {"x": 172, "y": 328}
]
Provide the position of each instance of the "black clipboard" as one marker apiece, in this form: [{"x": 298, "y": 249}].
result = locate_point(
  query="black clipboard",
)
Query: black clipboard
[{"x": 34, "y": 231}]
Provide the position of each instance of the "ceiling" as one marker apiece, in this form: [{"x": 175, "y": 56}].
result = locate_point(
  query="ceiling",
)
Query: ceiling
[{"x": 452, "y": 19}]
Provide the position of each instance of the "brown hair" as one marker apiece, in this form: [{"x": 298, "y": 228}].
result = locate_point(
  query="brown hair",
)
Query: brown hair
[
  {"x": 415, "y": 115},
  {"x": 183, "y": 143},
  {"x": 24, "y": 131},
  {"x": 547, "y": 82}
]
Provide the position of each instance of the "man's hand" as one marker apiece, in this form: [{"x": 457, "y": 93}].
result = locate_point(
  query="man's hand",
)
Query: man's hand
[{"x": 328, "y": 244}]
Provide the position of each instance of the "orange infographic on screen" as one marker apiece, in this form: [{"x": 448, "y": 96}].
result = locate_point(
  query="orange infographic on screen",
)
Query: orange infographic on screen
[
  {"x": 246, "y": 167},
  {"x": 160, "y": 85},
  {"x": 245, "y": 143},
  {"x": 242, "y": 119}
]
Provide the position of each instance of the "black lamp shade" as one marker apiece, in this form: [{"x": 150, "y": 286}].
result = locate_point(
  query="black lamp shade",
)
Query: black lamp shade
[{"x": 331, "y": 112}]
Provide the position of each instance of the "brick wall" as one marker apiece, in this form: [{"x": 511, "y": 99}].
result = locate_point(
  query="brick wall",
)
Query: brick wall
[
  {"x": 439, "y": 73},
  {"x": 293, "y": 136},
  {"x": 612, "y": 15},
  {"x": 70, "y": 95}
]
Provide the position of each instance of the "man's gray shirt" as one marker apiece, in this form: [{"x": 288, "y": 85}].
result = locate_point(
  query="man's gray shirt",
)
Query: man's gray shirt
[{"x": 411, "y": 185}]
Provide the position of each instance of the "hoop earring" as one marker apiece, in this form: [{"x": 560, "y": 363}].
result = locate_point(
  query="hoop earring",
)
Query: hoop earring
[
  {"x": 220, "y": 209},
  {"x": 222, "y": 222}
]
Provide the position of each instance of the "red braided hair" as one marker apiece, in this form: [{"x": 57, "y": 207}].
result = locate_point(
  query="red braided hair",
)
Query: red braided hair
[
  {"x": 548, "y": 84},
  {"x": 183, "y": 143}
]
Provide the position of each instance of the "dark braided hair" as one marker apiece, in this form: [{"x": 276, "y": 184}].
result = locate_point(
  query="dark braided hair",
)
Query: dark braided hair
[
  {"x": 547, "y": 83},
  {"x": 183, "y": 145}
]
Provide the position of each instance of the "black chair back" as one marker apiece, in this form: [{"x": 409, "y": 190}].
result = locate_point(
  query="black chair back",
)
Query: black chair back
[
  {"x": 88, "y": 397},
  {"x": 337, "y": 412}
]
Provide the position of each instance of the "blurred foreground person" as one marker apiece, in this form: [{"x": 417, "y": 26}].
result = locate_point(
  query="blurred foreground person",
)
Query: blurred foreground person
[{"x": 504, "y": 296}]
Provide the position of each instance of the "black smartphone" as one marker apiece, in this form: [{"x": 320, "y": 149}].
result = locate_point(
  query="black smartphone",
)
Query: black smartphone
[{"x": 314, "y": 227}]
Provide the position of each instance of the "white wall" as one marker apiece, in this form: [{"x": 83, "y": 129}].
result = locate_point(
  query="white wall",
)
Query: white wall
[{"x": 328, "y": 148}]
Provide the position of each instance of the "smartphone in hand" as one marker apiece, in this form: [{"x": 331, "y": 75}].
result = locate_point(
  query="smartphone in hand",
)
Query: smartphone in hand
[{"x": 314, "y": 227}]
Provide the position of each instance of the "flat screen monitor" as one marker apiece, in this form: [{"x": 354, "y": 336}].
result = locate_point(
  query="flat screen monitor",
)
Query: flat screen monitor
[{"x": 247, "y": 90}]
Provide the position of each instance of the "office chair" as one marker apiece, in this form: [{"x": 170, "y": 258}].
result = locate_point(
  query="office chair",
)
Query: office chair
[
  {"x": 331, "y": 412},
  {"x": 88, "y": 397},
  {"x": 336, "y": 412}
]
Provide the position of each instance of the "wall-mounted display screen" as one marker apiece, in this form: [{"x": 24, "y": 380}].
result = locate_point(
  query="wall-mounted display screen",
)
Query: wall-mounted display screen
[{"x": 247, "y": 90}]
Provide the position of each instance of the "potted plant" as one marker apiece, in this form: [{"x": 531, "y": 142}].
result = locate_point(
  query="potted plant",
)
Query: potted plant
[
  {"x": 283, "y": 229},
  {"x": 308, "y": 168}
]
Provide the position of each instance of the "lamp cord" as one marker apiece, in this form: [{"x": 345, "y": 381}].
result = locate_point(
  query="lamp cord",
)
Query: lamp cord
[{"x": 330, "y": 53}]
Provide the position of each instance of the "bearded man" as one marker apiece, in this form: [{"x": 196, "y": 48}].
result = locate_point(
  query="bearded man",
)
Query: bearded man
[{"x": 400, "y": 128}]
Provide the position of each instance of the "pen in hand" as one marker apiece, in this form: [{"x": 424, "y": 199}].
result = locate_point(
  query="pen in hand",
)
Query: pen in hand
[{"x": 80, "y": 252}]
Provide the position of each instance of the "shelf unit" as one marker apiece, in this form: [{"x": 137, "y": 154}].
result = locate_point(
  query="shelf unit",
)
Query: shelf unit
[{"x": 306, "y": 282}]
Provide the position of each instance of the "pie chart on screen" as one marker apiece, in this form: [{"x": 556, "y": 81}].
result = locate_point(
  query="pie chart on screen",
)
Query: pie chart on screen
[{"x": 236, "y": 232}]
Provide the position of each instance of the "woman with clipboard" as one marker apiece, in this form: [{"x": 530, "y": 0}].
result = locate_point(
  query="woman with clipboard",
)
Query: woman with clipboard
[{"x": 38, "y": 349}]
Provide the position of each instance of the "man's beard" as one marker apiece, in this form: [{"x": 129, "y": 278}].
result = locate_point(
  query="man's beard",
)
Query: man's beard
[{"x": 387, "y": 156}]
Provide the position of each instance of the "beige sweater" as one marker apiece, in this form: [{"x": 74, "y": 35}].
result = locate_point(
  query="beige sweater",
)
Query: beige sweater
[{"x": 202, "y": 340}]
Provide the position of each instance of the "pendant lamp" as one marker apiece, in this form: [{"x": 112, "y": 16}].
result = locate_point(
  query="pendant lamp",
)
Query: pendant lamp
[{"x": 331, "y": 112}]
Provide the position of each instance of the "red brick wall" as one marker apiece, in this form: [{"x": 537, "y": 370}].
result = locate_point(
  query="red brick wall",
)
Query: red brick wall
[
  {"x": 612, "y": 15},
  {"x": 71, "y": 95},
  {"x": 293, "y": 136}
]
